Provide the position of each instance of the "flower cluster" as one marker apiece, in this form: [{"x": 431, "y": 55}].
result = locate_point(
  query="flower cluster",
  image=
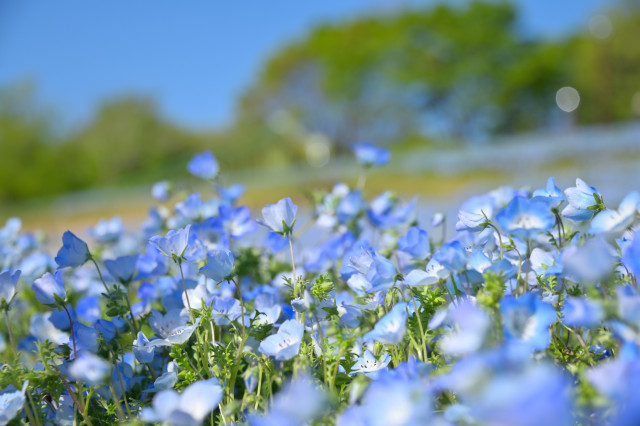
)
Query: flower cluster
[{"x": 528, "y": 315}]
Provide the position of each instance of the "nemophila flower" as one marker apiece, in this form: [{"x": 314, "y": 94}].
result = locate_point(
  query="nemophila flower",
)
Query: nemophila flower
[
  {"x": 415, "y": 242},
  {"x": 377, "y": 272},
  {"x": 285, "y": 344},
  {"x": 369, "y": 365},
  {"x": 142, "y": 349},
  {"x": 88, "y": 309},
  {"x": 225, "y": 309},
  {"x": 551, "y": 194},
  {"x": 452, "y": 256},
  {"x": 86, "y": 338},
  {"x": 618, "y": 380},
  {"x": 524, "y": 218},
  {"x": 472, "y": 222},
  {"x": 584, "y": 201},
  {"x": 386, "y": 211},
  {"x": 392, "y": 402},
  {"x": 219, "y": 265},
  {"x": 105, "y": 328},
  {"x": 437, "y": 219},
  {"x": 236, "y": 221},
  {"x": 171, "y": 327},
  {"x": 350, "y": 207},
  {"x": 188, "y": 408},
  {"x": 471, "y": 326},
  {"x": 616, "y": 221},
  {"x": 11, "y": 401},
  {"x": 268, "y": 307},
  {"x": 279, "y": 217},
  {"x": 582, "y": 312},
  {"x": 161, "y": 191},
  {"x": 49, "y": 287},
  {"x": 527, "y": 320},
  {"x": 107, "y": 231},
  {"x": 543, "y": 262},
  {"x": 42, "y": 329},
  {"x": 588, "y": 263},
  {"x": 391, "y": 328},
  {"x": 60, "y": 319},
  {"x": 168, "y": 379},
  {"x": 174, "y": 244},
  {"x": 369, "y": 155},
  {"x": 74, "y": 252},
  {"x": 433, "y": 273},
  {"x": 321, "y": 258},
  {"x": 8, "y": 283},
  {"x": 89, "y": 369},
  {"x": 535, "y": 395},
  {"x": 631, "y": 256},
  {"x": 231, "y": 194},
  {"x": 151, "y": 264},
  {"x": 299, "y": 402},
  {"x": 122, "y": 269},
  {"x": 203, "y": 165}
]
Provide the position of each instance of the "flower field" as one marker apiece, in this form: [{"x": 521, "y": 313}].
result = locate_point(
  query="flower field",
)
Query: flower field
[{"x": 211, "y": 314}]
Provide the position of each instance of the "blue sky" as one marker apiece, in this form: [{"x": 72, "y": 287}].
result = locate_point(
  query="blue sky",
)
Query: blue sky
[{"x": 194, "y": 58}]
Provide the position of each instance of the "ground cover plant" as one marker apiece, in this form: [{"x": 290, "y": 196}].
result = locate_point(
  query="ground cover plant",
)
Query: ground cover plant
[{"x": 528, "y": 315}]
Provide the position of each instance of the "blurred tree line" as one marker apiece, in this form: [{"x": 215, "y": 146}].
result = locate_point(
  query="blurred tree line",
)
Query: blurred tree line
[{"x": 443, "y": 73}]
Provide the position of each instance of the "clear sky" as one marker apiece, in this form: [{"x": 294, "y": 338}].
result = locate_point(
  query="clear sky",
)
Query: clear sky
[{"x": 193, "y": 57}]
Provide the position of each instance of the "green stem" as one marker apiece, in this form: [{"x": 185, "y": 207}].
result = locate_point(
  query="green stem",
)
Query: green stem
[
  {"x": 13, "y": 343},
  {"x": 124, "y": 393},
  {"x": 499, "y": 237},
  {"x": 73, "y": 334},
  {"x": 100, "y": 274},
  {"x": 186, "y": 295}
]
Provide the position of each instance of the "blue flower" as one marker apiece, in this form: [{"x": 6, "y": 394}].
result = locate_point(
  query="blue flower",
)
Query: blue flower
[
  {"x": 452, "y": 256},
  {"x": 74, "y": 251},
  {"x": 8, "y": 282},
  {"x": 161, "y": 191},
  {"x": 11, "y": 401},
  {"x": 369, "y": 155},
  {"x": 89, "y": 369},
  {"x": 369, "y": 365},
  {"x": 285, "y": 344},
  {"x": 524, "y": 218},
  {"x": 471, "y": 327},
  {"x": 49, "y": 287},
  {"x": 527, "y": 320},
  {"x": 386, "y": 211},
  {"x": 142, "y": 350},
  {"x": 174, "y": 244},
  {"x": 588, "y": 263},
  {"x": 551, "y": 195},
  {"x": 350, "y": 207},
  {"x": 391, "y": 328},
  {"x": 280, "y": 217},
  {"x": 581, "y": 312},
  {"x": 583, "y": 201},
  {"x": 203, "y": 165},
  {"x": 616, "y": 221},
  {"x": 188, "y": 408},
  {"x": 631, "y": 255},
  {"x": 107, "y": 230},
  {"x": 88, "y": 309},
  {"x": 219, "y": 265},
  {"x": 415, "y": 243},
  {"x": 225, "y": 309},
  {"x": 123, "y": 268},
  {"x": 297, "y": 403}
]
